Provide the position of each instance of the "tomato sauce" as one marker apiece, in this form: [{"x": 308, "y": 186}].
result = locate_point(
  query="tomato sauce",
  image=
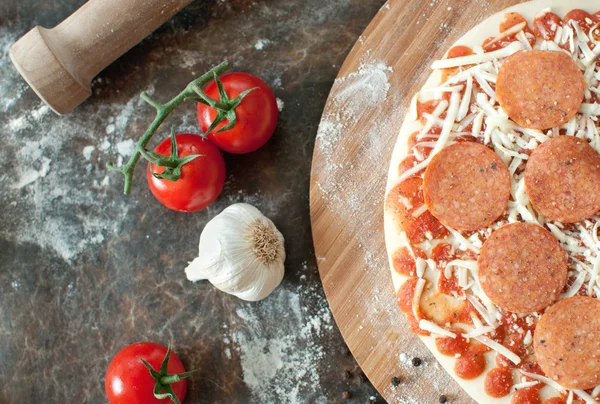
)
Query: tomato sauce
[
  {"x": 498, "y": 381},
  {"x": 555, "y": 400},
  {"x": 455, "y": 52},
  {"x": 423, "y": 227},
  {"x": 406, "y": 164},
  {"x": 405, "y": 295},
  {"x": 545, "y": 26},
  {"x": 404, "y": 199},
  {"x": 459, "y": 51},
  {"x": 413, "y": 325},
  {"x": 418, "y": 147},
  {"x": 404, "y": 298},
  {"x": 452, "y": 346},
  {"x": 426, "y": 107},
  {"x": 404, "y": 263},
  {"x": 470, "y": 364},
  {"x": 532, "y": 367},
  {"x": 510, "y": 20},
  {"x": 412, "y": 190},
  {"x": 503, "y": 362},
  {"x": 412, "y": 139},
  {"x": 466, "y": 138},
  {"x": 442, "y": 253},
  {"x": 462, "y": 314},
  {"x": 449, "y": 285},
  {"x": 515, "y": 331},
  {"x": 526, "y": 396},
  {"x": 422, "y": 151},
  {"x": 584, "y": 19},
  {"x": 498, "y": 335}
]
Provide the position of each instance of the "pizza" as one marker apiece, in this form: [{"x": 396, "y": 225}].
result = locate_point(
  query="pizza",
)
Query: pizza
[{"x": 492, "y": 207}]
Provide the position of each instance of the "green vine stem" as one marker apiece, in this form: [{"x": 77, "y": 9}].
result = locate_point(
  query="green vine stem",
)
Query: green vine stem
[
  {"x": 192, "y": 91},
  {"x": 163, "y": 380}
]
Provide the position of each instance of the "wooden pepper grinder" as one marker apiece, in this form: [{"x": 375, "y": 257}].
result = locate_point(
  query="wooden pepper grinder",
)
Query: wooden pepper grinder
[{"x": 60, "y": 63}]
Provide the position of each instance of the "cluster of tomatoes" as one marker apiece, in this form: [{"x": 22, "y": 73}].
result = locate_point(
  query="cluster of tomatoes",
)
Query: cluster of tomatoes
[
  {"x": 146, "y": 372},
  {"x": 202, "y": 179}
]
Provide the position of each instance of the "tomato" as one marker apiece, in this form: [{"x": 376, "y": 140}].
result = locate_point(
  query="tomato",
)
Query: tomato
[
  {"x": 201, "y": 179},
  {"x": 128, "y": 381},
  {"x": 256, "y": 114}
]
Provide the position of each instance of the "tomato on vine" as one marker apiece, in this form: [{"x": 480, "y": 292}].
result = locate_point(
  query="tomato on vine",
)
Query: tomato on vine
[
  {"x": 245, "y": 116},
  {"x": 132, "y": 378},
  {"x": 188, "y": 179},
  {"x": 236, "y": 112}
]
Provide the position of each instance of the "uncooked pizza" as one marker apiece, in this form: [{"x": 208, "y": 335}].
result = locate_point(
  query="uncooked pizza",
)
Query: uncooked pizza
[{"x": 492, "y": 208}]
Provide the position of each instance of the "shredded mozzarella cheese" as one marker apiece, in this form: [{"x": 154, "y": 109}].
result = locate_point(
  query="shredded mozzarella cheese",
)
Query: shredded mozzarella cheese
[
  {"x": 475, "y": 59},
  {"x": 483, "y": 311},
  {"x": 511, "y": 31},
  {"x": 435, "y": 329},
  {"x": 476, "y": 332},
  {"x": 572, "y": 291},
  {"x": 585, "y": 396},
  {"x": 417, "y": 297},
  {"x": 543, "y": 379},
  {"x": 510, "y": 355},
  {"x": 524, "y": 385}
]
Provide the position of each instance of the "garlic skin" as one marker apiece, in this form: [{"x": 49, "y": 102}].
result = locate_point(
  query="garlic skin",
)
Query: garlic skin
[{"x": 241, "y": 253}]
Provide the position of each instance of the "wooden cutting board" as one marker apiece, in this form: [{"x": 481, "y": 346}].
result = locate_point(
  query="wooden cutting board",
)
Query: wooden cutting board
[{"x": 360, "y": 123}]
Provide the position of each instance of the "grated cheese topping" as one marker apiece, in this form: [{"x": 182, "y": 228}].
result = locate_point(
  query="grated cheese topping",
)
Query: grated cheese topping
[
  {"x": 501, "y": 349},
  {"x": 543, "y": 379},
  {"x": 417, "y": 297},
  {"x": 435, "y": 329},
  {"x": 585, "y": 396},
  {"x": 524, "y": 385},
  {"x": 477, "y": 58}
]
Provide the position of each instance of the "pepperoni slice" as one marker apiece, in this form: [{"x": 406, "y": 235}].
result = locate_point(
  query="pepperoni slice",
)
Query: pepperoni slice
[
  {"x": 566, "y": 342},
  {"x": 562, "y": 178},
  {"x": 540, "y": 89},
  {"x": 466, "y": 186},
  {"x": 522, "y": 268}
]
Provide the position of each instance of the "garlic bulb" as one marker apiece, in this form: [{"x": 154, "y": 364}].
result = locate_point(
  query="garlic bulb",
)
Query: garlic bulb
[{"x": 241, "y": 253}]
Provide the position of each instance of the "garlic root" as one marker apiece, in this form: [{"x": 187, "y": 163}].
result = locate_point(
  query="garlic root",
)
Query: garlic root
[{"x": 241, "y": 253}]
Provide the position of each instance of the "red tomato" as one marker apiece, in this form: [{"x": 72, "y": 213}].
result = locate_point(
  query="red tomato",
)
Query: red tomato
[
  {"x": 201, "y": 180},
  {"x": 256, "y": 115},
  {"x": 128, "y": 381}
]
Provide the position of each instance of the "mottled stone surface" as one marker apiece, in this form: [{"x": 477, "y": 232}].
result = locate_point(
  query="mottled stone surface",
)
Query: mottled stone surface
[{"x": 85, "y": 270}]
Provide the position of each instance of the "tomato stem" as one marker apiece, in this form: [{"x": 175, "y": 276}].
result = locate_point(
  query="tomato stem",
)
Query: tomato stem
[
  {"x": 173, "y": 163},
  {"x": 162, "y": 388},
  {"x": 191, "y": 92},
  {"x": 225, "y": 106}
]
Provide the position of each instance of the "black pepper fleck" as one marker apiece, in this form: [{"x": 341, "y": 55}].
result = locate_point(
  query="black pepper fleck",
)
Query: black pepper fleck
[
  {"x": 395, "y": 381},
  {"x": 416, "y": 362},
  {"x": 493, "y": 165},
  {"x": 346, "y": 395},
  {"x": 360, "y": 378},
  {"x": 443, "y": 399},
  {"x": 346, "y": 375}
]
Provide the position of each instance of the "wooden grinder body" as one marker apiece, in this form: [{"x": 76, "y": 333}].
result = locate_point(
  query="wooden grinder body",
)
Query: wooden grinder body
[{"x": 60, "y": 63}]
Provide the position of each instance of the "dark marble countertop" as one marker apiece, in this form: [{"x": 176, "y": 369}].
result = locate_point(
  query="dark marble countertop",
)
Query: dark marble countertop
[{"x": 85, "y": 271}]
